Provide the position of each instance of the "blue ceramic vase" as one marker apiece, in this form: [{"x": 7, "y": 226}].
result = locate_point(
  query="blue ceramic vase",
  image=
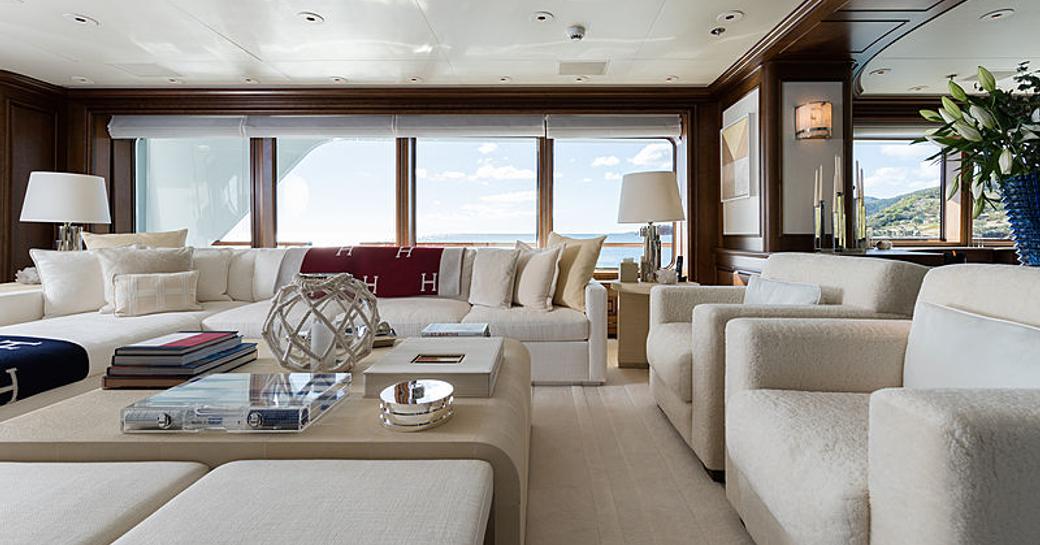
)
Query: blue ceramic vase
[{"x": 1021, "y": 196}]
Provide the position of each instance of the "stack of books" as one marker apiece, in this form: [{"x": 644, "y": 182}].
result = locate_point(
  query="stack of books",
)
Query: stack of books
[
  {"x": 169, "y": 360},
  {"x": 456, "y": 330}
]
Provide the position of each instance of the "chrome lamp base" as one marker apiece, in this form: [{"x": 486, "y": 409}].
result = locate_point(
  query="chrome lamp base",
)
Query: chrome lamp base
[
  {"x": 650, "y": 263},
  {"x": 70, "y": 237}
]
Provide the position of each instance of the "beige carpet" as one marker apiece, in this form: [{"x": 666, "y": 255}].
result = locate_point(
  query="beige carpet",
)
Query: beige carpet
[{"x": 607, "y": 467}]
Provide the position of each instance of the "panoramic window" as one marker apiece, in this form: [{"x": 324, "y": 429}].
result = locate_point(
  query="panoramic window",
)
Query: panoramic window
[
  {"x": 992, "y": 224},
  {"x": 587, "y": 186},
  {"x": 476, "y": 191},
  {"x": 201, "y": 184},
  {"x": 903, "y": 189},
  {"x": 334, "y": 191}
]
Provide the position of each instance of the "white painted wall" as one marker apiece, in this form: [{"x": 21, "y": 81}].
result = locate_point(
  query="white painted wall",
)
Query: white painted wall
[
  {"x": 742, "y": 217},
  {"x": 801, "y": 157}
]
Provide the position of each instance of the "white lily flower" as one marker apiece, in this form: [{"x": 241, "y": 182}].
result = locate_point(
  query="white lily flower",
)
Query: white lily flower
[
  {"x": 983, "y": 116},
  {"x": 1005, "y": 161}
]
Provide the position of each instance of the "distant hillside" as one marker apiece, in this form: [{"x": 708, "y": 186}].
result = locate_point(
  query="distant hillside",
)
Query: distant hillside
[{"x": 912, "y": 215}]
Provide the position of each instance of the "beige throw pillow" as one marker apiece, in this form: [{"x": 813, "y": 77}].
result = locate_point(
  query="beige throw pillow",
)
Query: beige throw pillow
[
  {"x": 577, "y": 264},
  {"x": 493, "y": 272},
  {"x": 165, "y": 239},
  {"x": 117, "y": 261},
  {"x": 536, "y": 274},
  {"x": 140, "y": 294},
  {"x": 213, "y": 265},
  {"x": 71, "y": 281}
]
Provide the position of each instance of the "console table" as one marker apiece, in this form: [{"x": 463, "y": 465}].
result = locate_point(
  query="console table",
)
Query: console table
[{"x": 86, "y": 428}]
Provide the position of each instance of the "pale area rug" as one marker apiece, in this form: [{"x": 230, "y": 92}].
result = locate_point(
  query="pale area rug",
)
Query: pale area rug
[{"x": 608, "y": 468}]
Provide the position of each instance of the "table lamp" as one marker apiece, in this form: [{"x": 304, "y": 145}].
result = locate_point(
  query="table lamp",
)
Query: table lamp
[
  {"x": 68, "y": 199},
  {"x": 647, "y": 197}
]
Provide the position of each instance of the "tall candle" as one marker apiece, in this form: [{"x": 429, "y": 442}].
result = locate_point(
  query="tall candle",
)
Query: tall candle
[
  {"x": 321, "y": 339},
  {"x": 839, "y": 185}
]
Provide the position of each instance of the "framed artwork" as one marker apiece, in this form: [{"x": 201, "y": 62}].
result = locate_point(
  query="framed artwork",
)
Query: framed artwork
[{"x": 737, "y": 145}]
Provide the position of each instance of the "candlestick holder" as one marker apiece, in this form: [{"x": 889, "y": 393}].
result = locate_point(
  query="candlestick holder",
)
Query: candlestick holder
[
  {"x": 840, "y": 242},
  {"x": 862, "y": 240},
  {"x": 819, "y": 220}
]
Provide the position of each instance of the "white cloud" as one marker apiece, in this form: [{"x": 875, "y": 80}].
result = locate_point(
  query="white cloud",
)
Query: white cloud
[
  {"x": 656, "y": 154},
  {"x": 885, "y": 182},
  {"x": 907, "y": 151},
  {"x": 446, "y": 176},
  {"x": 487, "y": 147},
  {"x": 513, "y": 197},
  {"x": 605, "y": 161},
  {"x": 611, "y": 176},
  {"x": 507, "y": 172}
]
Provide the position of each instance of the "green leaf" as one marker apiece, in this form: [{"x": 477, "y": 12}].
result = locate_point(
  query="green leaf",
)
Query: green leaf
[
  {"x": 955, "y": 187},
  {"x": 932, "y": 115},
  {"x": 980, "y": 206},
  {"x": 957, "y": 91},
  {"x": 986, "y": 79},
  {"x": 947, "y": 116},
  {"x": 951, "y": 107}
]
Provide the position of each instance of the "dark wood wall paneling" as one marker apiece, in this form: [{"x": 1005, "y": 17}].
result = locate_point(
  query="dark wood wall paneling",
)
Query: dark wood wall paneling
[{"x": 31, "y": 136}]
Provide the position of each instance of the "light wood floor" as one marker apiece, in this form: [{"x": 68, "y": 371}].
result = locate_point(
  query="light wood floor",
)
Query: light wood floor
[{"x": 608, "y": 468}]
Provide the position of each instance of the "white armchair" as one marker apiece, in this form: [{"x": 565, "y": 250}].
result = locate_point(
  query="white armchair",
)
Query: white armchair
[
  {"x": 686, "y": 345},
  {"x": 846, "y": 431}
]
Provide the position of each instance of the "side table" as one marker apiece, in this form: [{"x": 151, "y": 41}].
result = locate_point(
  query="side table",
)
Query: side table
[{"x": 633, "y": 321}]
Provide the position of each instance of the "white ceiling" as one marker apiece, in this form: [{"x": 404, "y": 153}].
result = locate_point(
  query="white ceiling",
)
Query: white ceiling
[
  {"x": 143, "y": 43},
  {"x": 958, "y": 42}
]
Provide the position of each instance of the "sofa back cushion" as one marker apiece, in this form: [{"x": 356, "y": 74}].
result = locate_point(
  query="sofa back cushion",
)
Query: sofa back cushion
[
  {"x": 253, "y": 273},
  {"x": 213, "y": 265},
  {"x": 951, "y": 348},
  {"x": 164, "y": 239},
  {"x": 135, "y": 260},
  {"x": 880, "y": 285},
  {"x": 71, "y": 281},
  {"x": 1008, "y": 292}
]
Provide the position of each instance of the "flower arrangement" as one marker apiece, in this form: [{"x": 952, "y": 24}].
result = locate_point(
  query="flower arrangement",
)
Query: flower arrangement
[{"x": 995, "y": 132}]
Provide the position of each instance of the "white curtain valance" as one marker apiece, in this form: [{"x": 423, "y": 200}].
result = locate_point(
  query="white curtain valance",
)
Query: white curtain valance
[
  {"x": 461, "y": 126},
  {"x": 889, "y": 132},
  {"x": 613, "y": 126},
  {"x": 273, "y": 126},
  {"x": 175, "y": 126}
]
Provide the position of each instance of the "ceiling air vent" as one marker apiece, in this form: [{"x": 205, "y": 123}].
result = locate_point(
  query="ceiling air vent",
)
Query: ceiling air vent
[
  {"x": 145, "y": 69},
  {"x": 583, "y": 68}
]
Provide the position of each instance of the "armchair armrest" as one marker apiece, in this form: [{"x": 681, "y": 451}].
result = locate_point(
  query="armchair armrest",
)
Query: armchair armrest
[
  {"x": 676, "y": 303},
  {"x": 830, "y": 355},
  {"x": 21, "y": 306},
  {"x": 954, "y": 467},
  {"x": 596, "y": 312}
]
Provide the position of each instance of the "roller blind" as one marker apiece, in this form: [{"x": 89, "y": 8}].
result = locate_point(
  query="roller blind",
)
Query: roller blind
[
  {"x": 175, "y": 126},
  {"x": 613, "y": 126},
  {"x": 889, "y": 132},
  {"x": 434, "y": 126},
  {"x": 319, "y": 125}
]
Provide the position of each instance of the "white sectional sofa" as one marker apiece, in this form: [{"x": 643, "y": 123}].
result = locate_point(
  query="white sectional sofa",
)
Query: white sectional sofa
[{"x": 566, "y": 346}]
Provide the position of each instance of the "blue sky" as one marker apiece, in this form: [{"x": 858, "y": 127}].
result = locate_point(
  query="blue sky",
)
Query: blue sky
[{"x": 895, "y": 167}]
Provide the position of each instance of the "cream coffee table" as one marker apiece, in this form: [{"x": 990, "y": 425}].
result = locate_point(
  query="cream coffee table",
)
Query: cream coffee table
[{"x": 86, "y": 428}]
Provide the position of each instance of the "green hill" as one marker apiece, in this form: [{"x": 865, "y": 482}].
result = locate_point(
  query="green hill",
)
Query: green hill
[{"x": 912, "y": 215}]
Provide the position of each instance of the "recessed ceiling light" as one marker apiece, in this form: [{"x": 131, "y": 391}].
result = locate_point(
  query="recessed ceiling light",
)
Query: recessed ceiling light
[
  {"x": 542, "y": 17},
  {"x": 672, "y": 79},
  {"x": 917, "y": 88},
  {"x": 881, "y": 72},
  {"x": 82, "y": 79},
  {"x": 175, "y": 81},
  {"x": 717, "y": 31},
  {"x": 730, "y": 16},
  {"x": 311, "y": 17},
  {"x": 997, "y": 14},
  {"x": 581, "y": 79},
  {"x": 251, "y": 81},
  {"x": 415, "y": 79},
  {"x": 505, "y": 79},
  {"x": 80, "y": 19},
  {"x": 338, "y": 79}
]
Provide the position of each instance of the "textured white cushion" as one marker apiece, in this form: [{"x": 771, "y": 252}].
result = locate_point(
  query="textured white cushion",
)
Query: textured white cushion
[
  {"x": 213, "y": 265},
  {"x": 163, "y": 239},
  {"x": 265, "y": 273},
  {"x": 669, "y": 350},
  {"x": 72, "y": 281},
  {"x": 494, "y": 270},
  {"x": 524, "y": 324},
  {"x": 536, "y": 274},
  {"x": 85, "y": 503},
  {"x": 371, "y": 502},
  {"x": 240, "y": 275},
  {"x": 951, "y": 348},
  {"x": 141, "y": 294},
  {"x": 133, "y": 260},
  {"x": 100, "y": 334},
  {"x": 762, "y": 291},
  {"x": 805, "y": 455}
]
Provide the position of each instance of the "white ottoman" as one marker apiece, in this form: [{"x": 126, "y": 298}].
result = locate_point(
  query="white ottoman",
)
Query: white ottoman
[
  {"x": 325, "y": 502},
  {"x": 84, "y": 503}
]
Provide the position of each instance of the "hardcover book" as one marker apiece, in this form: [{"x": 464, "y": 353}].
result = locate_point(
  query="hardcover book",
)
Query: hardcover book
[
  {"x": 456, "y": 330},
  {"x": 164, "y": 358},
  {"x": 189, "y": 369},
  {"x": 176, "y": 344},
  {"x": 469, "y": 364}
]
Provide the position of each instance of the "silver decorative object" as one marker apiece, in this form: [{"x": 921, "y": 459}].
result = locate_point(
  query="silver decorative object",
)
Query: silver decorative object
[
  {"x": 416, "y": 405},
  {"x": 322, "y": 323}
]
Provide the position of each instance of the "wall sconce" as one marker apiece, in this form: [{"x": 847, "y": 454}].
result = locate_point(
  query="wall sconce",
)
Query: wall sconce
[{"x": 813, "y": 121}]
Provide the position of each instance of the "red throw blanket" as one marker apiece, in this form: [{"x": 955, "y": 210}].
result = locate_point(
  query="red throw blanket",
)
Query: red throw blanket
[{"x": 392, "y": 271}]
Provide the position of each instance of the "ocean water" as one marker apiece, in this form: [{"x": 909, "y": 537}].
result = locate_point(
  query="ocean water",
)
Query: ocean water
[{"x": 610, "y": 257}]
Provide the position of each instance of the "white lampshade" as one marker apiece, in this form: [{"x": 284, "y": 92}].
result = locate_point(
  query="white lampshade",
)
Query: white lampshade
[
  {"x": 648, "y": 197},
  {"x": 63, "y": 197}
]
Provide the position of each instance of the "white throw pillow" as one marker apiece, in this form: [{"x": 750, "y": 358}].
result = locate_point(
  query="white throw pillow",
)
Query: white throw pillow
[
  {"x": 213, "y": 265},
  {"x": 165, "y": 239},
  {"x": 536, "y": 274},
  {"x": 130, "y": 260},
  {"x": 240, "y": 275},
  {"x": 72, "y": 281},
  {"x": 763, "y": 291},
  {"x": 141, "y": 294},
  {"x": 952, "y": 348},
  {"x": 493, "y": 273}
]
